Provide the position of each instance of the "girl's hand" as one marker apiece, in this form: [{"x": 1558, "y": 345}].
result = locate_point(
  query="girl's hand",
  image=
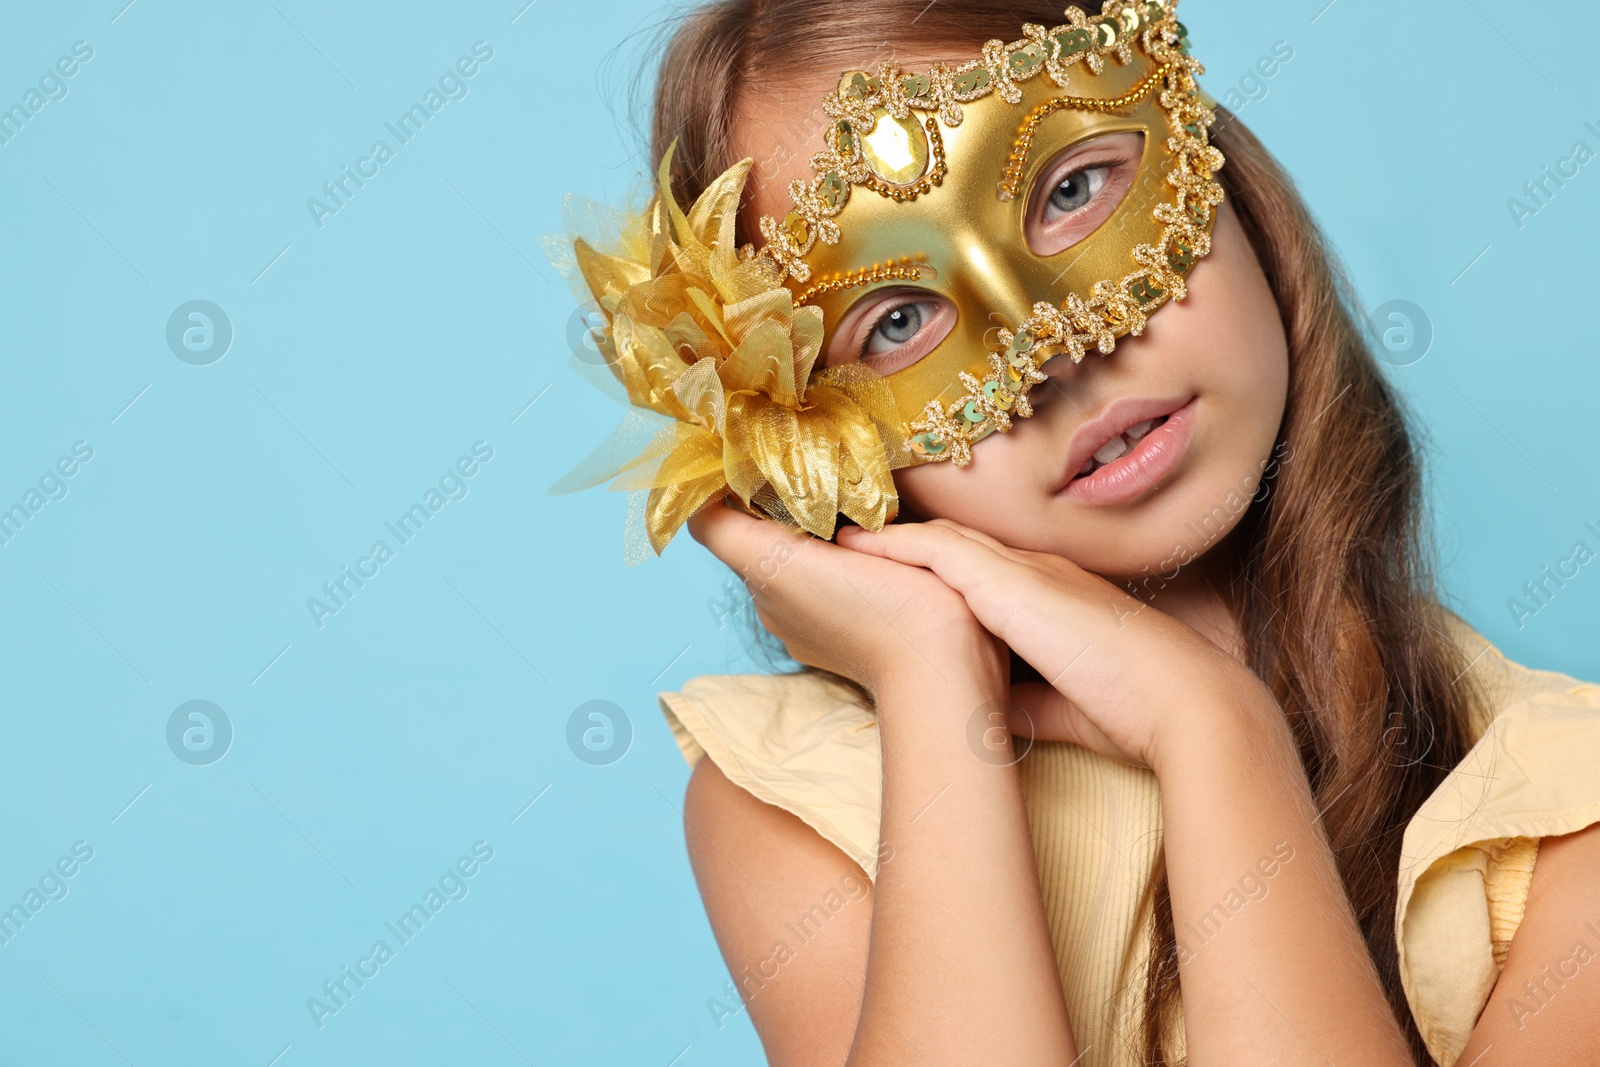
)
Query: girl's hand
[
  {"x": 867, "y": 618},
  {"x": 1123, "y": 678}
]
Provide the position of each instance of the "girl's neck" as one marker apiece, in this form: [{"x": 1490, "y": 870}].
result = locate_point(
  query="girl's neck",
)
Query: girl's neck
[{"x": 1197, "y": 597}]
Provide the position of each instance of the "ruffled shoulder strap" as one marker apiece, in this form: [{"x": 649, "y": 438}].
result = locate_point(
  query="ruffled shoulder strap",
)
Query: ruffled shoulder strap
[
  {"x": 805, "y": 742},
  {"x": 1468, "y": 853}
]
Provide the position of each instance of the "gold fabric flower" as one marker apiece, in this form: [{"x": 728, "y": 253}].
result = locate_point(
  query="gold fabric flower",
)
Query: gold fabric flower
[{"x": 712, "y": 340}]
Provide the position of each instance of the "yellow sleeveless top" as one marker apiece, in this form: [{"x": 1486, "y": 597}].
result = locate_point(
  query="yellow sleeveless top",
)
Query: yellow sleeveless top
[{"x": 809, "y": 745}]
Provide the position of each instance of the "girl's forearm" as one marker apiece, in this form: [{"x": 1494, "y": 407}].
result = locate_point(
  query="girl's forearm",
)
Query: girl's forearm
[
  {"x": 960, "y": 968},
  {"x": 1272, "y": 964}
]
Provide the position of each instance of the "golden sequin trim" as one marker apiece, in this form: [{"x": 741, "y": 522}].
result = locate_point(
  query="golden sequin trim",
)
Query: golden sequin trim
[
  {"x": 855, "y": 107},
  {"x": 1113, "y": 309}
]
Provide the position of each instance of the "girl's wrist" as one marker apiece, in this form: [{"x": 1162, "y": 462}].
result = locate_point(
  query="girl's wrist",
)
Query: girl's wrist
[
  {"x": 960, "y": 664},
  {"x": 942, "y": 688},
  {"x": 948, "y": 726},
  {"x": 1245, "y": 723}
]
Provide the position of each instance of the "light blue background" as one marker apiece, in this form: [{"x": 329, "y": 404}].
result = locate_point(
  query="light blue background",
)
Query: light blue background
[{"x": 370, "y": 353}]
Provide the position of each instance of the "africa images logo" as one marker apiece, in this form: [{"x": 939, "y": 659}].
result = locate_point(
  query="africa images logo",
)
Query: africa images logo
[
  {"x": 452, "y": 85},
  {"x": 452, "y": 485},
  {"x": 452, "y": 885}
]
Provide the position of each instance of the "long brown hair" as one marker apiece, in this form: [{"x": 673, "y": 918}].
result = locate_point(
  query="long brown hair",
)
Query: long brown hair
[{"x": 1330, "y": 566}]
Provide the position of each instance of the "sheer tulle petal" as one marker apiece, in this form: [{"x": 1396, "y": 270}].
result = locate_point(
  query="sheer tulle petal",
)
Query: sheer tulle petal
[
  {"x": 765, "y": 363},
  {"x": 621, "y": 452}
]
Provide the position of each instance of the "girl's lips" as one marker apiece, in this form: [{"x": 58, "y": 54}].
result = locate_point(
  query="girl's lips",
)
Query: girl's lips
[{"x": 1141, "y": 468}]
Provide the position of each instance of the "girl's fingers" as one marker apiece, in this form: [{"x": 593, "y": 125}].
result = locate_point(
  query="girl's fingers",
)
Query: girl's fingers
[
  {"x": 754, "y": 548},
  {"x": 760, "y": 550},
  {"x": 963, "y": 563},
  {"x": 721, "y": 529},
  {"x": 986, "y": 579},
  {"x": 995, "y": 545}
]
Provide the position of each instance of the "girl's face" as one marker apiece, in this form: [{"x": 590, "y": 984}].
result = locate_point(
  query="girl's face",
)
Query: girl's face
[{"x": 1132, "y": 463}]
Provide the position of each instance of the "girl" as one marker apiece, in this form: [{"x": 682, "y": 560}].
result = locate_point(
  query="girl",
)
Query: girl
[{"x": 1127, "y": 692}]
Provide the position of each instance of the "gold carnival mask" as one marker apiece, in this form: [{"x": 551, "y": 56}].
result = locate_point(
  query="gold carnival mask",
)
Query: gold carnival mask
[{"x": 927, "y": 181}]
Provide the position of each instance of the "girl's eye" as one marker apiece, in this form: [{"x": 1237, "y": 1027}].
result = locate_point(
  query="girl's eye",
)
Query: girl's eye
[
  {"x": 1080, "y": 189},
  {"x": 1076, "y": 190},
  {"x": 892, "y": 330},
  {"x": 897, "y": 326}
]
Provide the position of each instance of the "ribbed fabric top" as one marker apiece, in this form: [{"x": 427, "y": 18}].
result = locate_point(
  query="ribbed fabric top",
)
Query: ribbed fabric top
[{"x": 808, "y": 744}]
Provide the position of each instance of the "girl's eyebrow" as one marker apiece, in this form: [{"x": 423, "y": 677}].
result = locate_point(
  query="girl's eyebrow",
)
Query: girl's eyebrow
[{"x": 908, "y": 267}]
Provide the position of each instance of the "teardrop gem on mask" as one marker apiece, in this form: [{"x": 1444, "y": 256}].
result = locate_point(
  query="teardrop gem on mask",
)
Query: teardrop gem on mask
[{"x": 897, "y": 149}]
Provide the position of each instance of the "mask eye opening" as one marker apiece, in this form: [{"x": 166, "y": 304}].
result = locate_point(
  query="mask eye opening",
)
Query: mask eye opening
[
  {"x": 867, "y": 331},
  {"x": 1110, "y": 164}
]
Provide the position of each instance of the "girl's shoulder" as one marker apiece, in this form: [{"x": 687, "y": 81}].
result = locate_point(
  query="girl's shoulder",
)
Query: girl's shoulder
[
  {"x": 804, "y": 741},
  {"x": 1506, "y": 683},
  {"x": 807, "y": 742},
  {"x": 1468, "y": 853}
]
